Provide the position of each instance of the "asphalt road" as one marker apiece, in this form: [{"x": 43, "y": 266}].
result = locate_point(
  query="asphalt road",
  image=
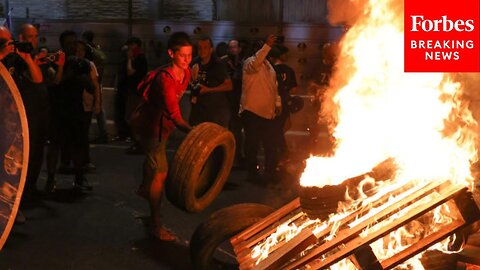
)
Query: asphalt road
[{"x": 105, "y": 228}]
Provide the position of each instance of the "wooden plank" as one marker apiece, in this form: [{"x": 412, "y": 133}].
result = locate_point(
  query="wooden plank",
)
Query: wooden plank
[
  {"x": 265, "y": 222},
  {"x": 240, "y": 247},
  {"x": 350, "y": 233},
  {"x": 470, "y": 254},
  {"x": 419, "y": 209},
  {"x": 243, "y": 250},
  {"x": 422, "y": 245},
  {"x": 288, "y": 251}
]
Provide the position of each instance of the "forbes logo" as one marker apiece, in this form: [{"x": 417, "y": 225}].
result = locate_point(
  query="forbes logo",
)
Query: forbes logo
[{"x": 441, "y": 25}]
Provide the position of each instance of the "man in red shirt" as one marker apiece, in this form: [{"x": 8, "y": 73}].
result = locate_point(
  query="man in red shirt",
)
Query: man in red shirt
[{"x": 155, "y": 118}]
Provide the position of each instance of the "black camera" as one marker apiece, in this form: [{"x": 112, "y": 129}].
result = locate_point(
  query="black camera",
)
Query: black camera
[
  {"x": 23, "y": 46},
  {"x": 51, "y": 57}
]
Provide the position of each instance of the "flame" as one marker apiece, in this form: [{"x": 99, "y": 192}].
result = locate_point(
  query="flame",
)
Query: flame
[
  {"x": 378, "y": 112},
  {"x": 381, "y": 112}
]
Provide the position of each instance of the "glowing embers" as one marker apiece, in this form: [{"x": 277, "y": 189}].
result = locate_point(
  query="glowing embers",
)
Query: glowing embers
[{"x": 400, "y": 229}]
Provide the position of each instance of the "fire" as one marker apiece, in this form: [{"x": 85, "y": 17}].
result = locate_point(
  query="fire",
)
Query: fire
[{"x": 379, "y": 112}]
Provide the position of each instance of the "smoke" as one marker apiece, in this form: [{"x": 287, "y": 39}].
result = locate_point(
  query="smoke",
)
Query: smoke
[{"x": 345, "y": 11}]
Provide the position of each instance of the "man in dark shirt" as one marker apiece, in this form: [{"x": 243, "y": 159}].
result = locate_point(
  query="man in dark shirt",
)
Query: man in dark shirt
[
  {"x": 132, "y": 70},
  {"x": 234, "y": 63},
  {"x": 286, "y": 83},
  {"x": 75, "y": 80},
  {"x": 211, "y": 80}
]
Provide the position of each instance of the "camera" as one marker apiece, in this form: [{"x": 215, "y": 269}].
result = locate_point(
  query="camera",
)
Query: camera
[
  {"x": 195, "y": 86},
  {"x": 51, "y": 57},
  {"x": 23, "y": 46}
]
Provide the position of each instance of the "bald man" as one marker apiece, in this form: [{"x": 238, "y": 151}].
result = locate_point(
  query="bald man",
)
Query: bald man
[
  {"x": 6, "y": 42},
  {"x": 27, "y": 74}
]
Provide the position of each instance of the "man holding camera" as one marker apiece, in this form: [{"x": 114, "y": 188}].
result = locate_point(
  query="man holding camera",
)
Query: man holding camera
[
  {"x": 211, "y": 82},
  {"x": 24, "y": 67}
]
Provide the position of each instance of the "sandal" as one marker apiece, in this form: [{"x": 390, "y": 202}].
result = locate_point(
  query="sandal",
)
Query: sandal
[{"x": 164, "y": 235}]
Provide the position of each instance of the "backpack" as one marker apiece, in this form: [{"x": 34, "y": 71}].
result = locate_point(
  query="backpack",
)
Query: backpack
[{"x": 143, "y": 87}]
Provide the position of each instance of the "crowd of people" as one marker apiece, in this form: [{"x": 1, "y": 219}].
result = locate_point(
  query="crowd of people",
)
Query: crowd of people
[{"x": 240, "y": 86}]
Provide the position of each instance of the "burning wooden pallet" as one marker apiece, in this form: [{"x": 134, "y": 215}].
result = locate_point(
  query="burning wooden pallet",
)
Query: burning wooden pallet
[{"x": 309, "y": 249}]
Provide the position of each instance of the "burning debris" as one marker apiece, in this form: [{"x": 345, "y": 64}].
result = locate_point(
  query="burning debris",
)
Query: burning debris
[{"x": 419, "y": 127}]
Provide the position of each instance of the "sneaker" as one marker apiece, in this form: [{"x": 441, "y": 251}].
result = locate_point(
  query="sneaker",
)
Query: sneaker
[
  {"x": 50, "y": 186},
  {"x": 82, "y": 184},
  {"x": 118, "y": 139},
  {"x": 134, "y": 150}
]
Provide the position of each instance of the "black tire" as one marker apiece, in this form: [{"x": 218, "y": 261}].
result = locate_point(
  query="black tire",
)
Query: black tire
[
  {"x": 200, "y": 167},
  {"x": 320, "y": 202},
  {"x": 221, "y": 226}
]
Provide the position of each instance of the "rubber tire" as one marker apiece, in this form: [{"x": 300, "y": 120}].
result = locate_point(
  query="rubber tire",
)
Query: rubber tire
[
  {"x": 221, "y": 226},
  {"x": 201, "y": 167}
]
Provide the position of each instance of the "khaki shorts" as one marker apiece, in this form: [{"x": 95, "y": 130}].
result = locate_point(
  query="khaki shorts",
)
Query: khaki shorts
[{"x": 155, "y": 154}]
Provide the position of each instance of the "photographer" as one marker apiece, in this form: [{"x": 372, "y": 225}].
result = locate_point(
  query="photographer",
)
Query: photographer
[
  {"x": 211, "y": 84},
  {"x": 73, "y": 78},
  {"x": 24, "y": 67}
]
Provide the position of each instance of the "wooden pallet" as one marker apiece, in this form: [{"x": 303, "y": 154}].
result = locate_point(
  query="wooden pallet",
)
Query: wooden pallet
[{"x": 285, "y": 255}]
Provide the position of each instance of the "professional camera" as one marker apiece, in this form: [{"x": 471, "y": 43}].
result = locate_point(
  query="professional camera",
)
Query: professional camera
[{"x": 23, "y": 46}]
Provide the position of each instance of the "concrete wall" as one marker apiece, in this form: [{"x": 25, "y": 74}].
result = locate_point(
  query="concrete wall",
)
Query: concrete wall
[
  {"x": 272, "y": 11},
  {"x": 111, "y": 35},
  {"x": 197, "y": 10}
]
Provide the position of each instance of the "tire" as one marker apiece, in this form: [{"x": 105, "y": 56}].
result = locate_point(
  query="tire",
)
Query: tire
[
  {"x": 200, "y": 167},
  {"x": 319, "y": 203},
  {"x": 221, "y": 226}
]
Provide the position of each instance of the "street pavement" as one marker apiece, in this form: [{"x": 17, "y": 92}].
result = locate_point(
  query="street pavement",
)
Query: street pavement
[{"x": 106, "y": 228}]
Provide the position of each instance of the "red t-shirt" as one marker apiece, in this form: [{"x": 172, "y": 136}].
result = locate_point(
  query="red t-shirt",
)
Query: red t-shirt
[{"x": 153, "y": 116}]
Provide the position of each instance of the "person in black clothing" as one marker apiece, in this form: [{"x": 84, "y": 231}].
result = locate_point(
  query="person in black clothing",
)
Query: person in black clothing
[
  {"x": 210, "y": 79},
  {"x": 132, "y": 70},
  {"x": 25, "y": 70},
  {"x": 98, "y": 57},
  {"x": 75, "y": 78},
  {"x": 286, "y": 83},
  {"x": 234, "y": 63}
]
